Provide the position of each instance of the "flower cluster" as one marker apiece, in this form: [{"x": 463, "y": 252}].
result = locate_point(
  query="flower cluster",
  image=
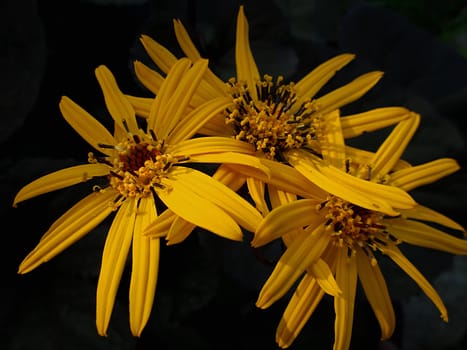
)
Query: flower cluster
[{"x": 336, "y": 208}]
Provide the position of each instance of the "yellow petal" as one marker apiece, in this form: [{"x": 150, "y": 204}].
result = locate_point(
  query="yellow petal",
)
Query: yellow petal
[
  {"x": 141, "y": 105},
  {"x": 332, "y": 142},
  {"x": 86, "y": 125},
  {"x": 162, "y": 57},
  {"x": 299, "y": 309},
  {"x": 245, "y": 63},
  {"x": 197, "y": 118},
  {"x": 256, "y": 192},
  {"x": 230, "y": 178},
  {"x": 378, "y": 118},
  {"x": 210, "y": 144},
  {"x": 357, "y": 191},
  {"x": 192, "y": 53},
  {"x": 423, "y": 174},
  {"x": 177, "y": 105},
  {"x": 420, "y": 212},
  {"x": 286, "y": 218},
  {"x": 60, "y": 179},
  {"x": 145, "y": 267},
  {"x": 69, "y": 228},
  {"x": 157, "y": 119},
  {"x": 420, "y": 234},
  {"x": 347, "y": 93},
  {"x": 394, "y": 146},
  {"x": 305, "y": 250},
  {"x": 179, "y": 231},
  {"x": 118, "y": 106},
  {"x": 396, "y": 255},
  {"x": 160, "y": 226},
  {"x": 376, "y": 291},
  {"x": 148, "y": 77},
  {"x": 116, "y": 248},
  {"x": 283, "y": 177},
  {"x": 346, "y": 277},
  {"x": 309, "y": 85},
  {"x": 322, "y": 273},
  {"x": 183, "y": 199},
  {"x": 222, "y": 196}
]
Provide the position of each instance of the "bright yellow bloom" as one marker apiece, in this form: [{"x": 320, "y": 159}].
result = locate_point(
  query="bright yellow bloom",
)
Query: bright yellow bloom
[
  {"x": 142, "y": 166},
  {"x": 333, "y": 240},
  {"x": 274, "y": 116}
]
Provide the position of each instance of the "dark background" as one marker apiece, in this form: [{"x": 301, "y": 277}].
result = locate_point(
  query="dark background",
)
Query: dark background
[{"x": 207, "y": 287}]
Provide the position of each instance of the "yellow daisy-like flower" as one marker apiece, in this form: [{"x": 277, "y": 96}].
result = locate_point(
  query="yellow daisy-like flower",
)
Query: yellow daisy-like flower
[
  {"x": 274, "y": 116},
  {"x": 334, "y": 240},
  {"x": 142, "y": 166}
]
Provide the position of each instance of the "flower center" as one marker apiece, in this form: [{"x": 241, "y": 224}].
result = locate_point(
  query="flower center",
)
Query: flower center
[
  {"x": 274, "y": 122},
  {"x": 138, "y": 165},
  {"x": 351, "y": 226}
]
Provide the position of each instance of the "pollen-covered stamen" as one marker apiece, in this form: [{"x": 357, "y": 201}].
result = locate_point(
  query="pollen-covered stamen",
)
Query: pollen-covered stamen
[
  {"x": 138, "y": 164},
  {"x": 274, "y": 122},
  {"x": 353, "y": 226}
]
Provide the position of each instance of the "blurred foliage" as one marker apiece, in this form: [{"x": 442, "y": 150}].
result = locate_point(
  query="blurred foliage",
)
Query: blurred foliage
[{"x": 444, "y": 19}]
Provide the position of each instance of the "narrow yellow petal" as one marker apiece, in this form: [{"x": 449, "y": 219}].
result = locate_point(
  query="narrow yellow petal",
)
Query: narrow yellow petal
[
  {"x": 160, "y": 226},
  {"x": 192, "y": 53},
  {"x": 256, "y": 190},
  {"x": 279, "y": 197},
  {"x": 332, "y": 142},
  {"x": 420, "y": 212},
  {"x": 396, "y": 255},
  {"x": 162, "y": 57},
  {"x": 230, "y": 178},
  {"x": 69, "y": 228},
  {"x": 85, "y": 125},
  {"x": 157, "y": 118},
  {"x": 417, "y": 233},
  {"x": 309, "y": 85},
  {"x": 118, "y": 106},
  {"x": 222, "y": 196},
  {"x": 324, "y": 276},
  {"x": 177, "y": 106},
  {"x": 394, "y": 146},
  {"x": 116, "y": 248},
  {"x": 346, "y": 277},
  {"x": 151, "y": 79},
  {"x": 197, "y": 118},
  {"x": 210, "y": 144},
  {"x": 179, "y": 231},
  {"x": 299, "y": 309},
  {"x": 141, "y": 105},
  {"x": 180, "y": 197},
  {"x": 347, "y": 93},
  {"x": 60, "y": 179},
  {"x": 423, "y": 174},
  {"x": 377, "y": 293},
  {"x": 375, "y": 119},
  {"x": 280, "y": 176},
  {"x": 247, "y": 70},
  {"x": 305, "y": 250},
  {"x": 145, "y": 267},
  {"x": 286, "y": 218}
]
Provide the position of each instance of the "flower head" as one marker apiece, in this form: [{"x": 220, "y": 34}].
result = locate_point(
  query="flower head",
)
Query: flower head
[
  {"x": 334, "y": 240},
  {"x": 142, "y": 166}
]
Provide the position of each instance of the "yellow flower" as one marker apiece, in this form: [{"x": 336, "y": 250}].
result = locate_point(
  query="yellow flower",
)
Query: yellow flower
[
  {"x": 274, "y": 116},
  {"x": 334, "y": 239},
  {"x": 142, "y": 166}
]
